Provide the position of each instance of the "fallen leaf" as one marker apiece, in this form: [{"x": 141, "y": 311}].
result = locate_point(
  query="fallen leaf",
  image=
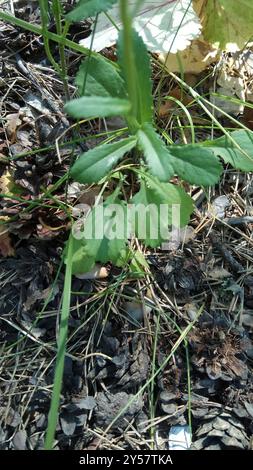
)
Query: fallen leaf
[
  {"x": 194, "y": 59},
  {"x": 97, "y": 272},
  {"x": 164, "y": 26},
  {"x": 192, "y": 311},
  {"x": 179, "y": 236},
  {"x": 218, "y": 274},
  {"x": 5, "y": 242},
  {"x": 24, "y": 139},
  {"x": 6, "y": 182},
  {"x": 219, "y": 206},
  {"x": 12, "y": 123},
  {"x": 226, "y": 24},
  {"x": 247, "y": 118},
  {"x": 229, "y": 86},
  {"x": 169, "y": 106},
  {"x": 247, "y": 320},
  {"x": 3, "y": 146},
  {"x": 37, "y": 295},
  {"x": 134, "y": 312},
  {"x": 19, "y": 440}
]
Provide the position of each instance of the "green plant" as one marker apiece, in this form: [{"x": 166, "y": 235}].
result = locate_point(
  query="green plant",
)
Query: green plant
[
  {"x": 126, "y": 90},
  {"x": 61, "y": 31},
  {"x": 62, "y": 341}
]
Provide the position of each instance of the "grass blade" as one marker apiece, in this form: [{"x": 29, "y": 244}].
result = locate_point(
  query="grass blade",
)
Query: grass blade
[{"x": 59, "y": 368}]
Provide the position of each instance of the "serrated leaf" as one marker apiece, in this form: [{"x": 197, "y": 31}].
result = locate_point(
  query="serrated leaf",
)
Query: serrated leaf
[
  {"x": 94, "y": 164},
  {"x": 227, "y": 24},
  {"x": 87, "y": 8},
  {"x": 239, "y": 158},
  {"x": 158, "y": 201},
  {"x": 142, "y": 75},
  {"x": 89, "y": 106},
  {"x": 164, "y": 25},
  {"x": 195, "y": 164},
  {"x": 155, "y": 152},
  {"x": 98, "y": 77},
  {"x": 104, "y": 237}
]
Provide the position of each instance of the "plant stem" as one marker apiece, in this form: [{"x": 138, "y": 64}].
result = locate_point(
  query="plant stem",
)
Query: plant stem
[
  {"x": 152, "y": 384},
  {"x": 57, "y": 12},
  {"x": 61, "y": 351},
  {"x": 188, "y": 385},
  {"x": 128, "y": 58},
  {"x": 44, "y": 14},
  {"x": 38, "y": 30}
]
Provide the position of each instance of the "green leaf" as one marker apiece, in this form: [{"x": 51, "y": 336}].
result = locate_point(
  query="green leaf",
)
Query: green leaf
[
  {"x": 136, "y": 262},
  {"x": 240, "y": 158},
  {"x": 143, "y": 81},
  {"x": 195, "y": 164},
  {"x": 98, "y": 77},
  {"x": 153, "y": 210},
  {"x": 93, "y": 165},
  {"x": 227, "y": 23},
  {"x": 82, "y": 262},
  {"x": 155, "y": 152},
  {"x": 104, "y": 237},
  {"x": 89, "y": 106},
  {"x": 138, "y": 266},
  {"x": 87, "y": 8}
]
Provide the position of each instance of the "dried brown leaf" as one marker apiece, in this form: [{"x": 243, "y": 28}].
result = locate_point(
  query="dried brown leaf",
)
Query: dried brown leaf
[{"x": 6, "y": 248}]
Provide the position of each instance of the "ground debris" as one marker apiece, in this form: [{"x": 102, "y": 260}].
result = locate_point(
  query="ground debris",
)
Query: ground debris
[
  {"x": 113, "y": 404},
  {"x": 121, "y": 329},
  {"x": 220, "y": 431}
]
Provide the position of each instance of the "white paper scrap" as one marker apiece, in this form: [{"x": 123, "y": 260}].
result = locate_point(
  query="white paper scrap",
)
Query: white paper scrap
[{"x": 179, "y": 438}]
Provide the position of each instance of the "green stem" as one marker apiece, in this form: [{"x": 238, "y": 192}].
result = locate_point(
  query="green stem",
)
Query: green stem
[
  {"x": 152, "y": 384},
  {"x": 89, "y": 56},
  {"x": 188, "y": 385},
  {"x": 61, "y": 351},
  {"x": 44, "y": 14},
  {"x": 38, "y": 30},
  {"x": 128, "y": 58},
  {"x": 57, "y": 12}
]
